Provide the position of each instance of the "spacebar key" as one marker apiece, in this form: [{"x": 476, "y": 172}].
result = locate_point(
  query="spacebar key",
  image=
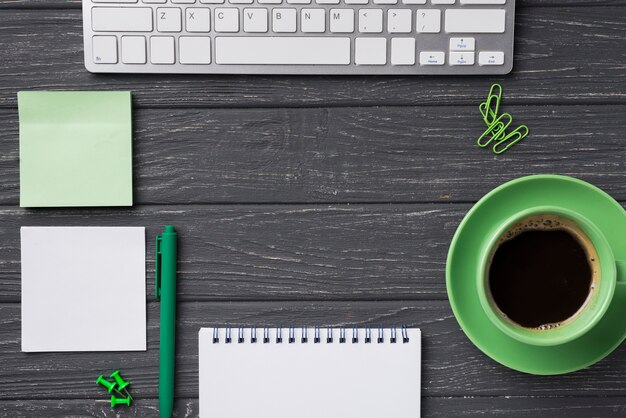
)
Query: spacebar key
[{"x": 291, "y": 50}]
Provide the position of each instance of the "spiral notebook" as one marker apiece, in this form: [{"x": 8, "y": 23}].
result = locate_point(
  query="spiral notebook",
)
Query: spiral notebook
[{"x": 310, "y": 372}]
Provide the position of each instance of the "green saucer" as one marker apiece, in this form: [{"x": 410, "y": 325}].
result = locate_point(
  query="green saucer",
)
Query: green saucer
[{"x": 464, "y": 255}]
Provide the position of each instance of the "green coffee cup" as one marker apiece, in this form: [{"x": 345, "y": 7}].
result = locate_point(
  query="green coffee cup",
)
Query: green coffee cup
[
  {"x": 598, "y": 300},
  {"x": 589, "y": 335}
]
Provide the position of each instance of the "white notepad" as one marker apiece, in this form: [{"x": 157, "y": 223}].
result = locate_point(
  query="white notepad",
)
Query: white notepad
[
  {"x": 83, "y": 288},
  {"x": 282, "y": 376}
]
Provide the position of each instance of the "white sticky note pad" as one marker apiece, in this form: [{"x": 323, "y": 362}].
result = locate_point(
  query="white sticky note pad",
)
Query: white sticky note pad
[{"x": 83, "y": 289}]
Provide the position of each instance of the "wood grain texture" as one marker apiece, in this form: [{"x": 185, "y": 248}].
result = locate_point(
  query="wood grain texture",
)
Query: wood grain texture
[
  {"x": 327, "y": 155},
  {"x": 452, "y": 366},
  {"x": 319, "y": 201},
  {"x": 281, "y": 252},
  {"x": 230, "y": 253},
  {"x": 443, "y": 407},
  {"x": 567, "y": 55}
]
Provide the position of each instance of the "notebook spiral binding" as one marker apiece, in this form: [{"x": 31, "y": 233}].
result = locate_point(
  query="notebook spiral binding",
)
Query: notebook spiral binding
[{"x": 318, "y": 335}]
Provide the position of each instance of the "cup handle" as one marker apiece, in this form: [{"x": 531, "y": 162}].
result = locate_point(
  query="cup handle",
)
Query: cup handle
[
  {"x": 621, "y": 273},
  {"x": 620, "y": 283}
]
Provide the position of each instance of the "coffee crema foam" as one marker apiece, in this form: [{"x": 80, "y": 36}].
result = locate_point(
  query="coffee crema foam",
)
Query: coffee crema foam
[{"x": 547, "y": 223}]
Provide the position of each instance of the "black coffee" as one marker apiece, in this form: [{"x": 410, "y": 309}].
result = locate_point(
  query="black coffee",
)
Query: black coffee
[{"x": 542, "y": 272}]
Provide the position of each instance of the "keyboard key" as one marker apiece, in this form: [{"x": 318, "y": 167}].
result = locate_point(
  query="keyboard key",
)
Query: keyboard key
[
  {"x": 226, "y": 20},
  {"x": 104, "y": 49},
  {"x": 413, "y": 1},
  {"x": 327, "y": 1},
  {"x": 198, "y": 20},
  {"x": 356, "y": 1},
  {"x": 133, "y": 49},
  {"x": 385, "y": 1},
  {"x": 341, "y": 20},
  {"x": 462, "y": 44},
  {"x": 371, "y": 20},
  {"x": 255, "y": 20},
  {"x": 313, "y": 20},
  {"x": 475, "y": 21},
  {"x": 270, "y": 1},
  {"x": 118, "y": 19},
  {"x": 162, "y": 50},
  {"x": 284, "y": 20},
  {"x": 428, "y": 21},
  {"x": 282, "y": 50},
  {"x": 442, "y": 1},
  {"x": 240, "y": 1},
  {"x": 154, "y": 1},
  {"x": 114, "y": 1},
  {"x": 403, "y": 51},
  {"x": 212, "y": 1},
  {"x": 169, "y": 19},
  {"x": 461, "y": 58},
  {"x": 194, "y": 49},
  {"x": 491, "y": 58},
  {"x": 370, "y": 51},
  {"x": 432, "y": 58},
  {"x": 399, "y": 20},
  {"x": 183, "y": 1},
  {"x": 299, "y": 1}
]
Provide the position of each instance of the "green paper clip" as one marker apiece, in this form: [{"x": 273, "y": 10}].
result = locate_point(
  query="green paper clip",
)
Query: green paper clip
[
  {"x": 496, "y": 130},
  {"x": 483, "y": 111},
  {"x": 110, "y": 386},
  {"x": 511, "y": 139},
  {"x": 119, "y": 401},
  {"x": 491, "y": 107}
]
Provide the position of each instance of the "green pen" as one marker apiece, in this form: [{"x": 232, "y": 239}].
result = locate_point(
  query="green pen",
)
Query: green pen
[{"x": 166, "y": 291}]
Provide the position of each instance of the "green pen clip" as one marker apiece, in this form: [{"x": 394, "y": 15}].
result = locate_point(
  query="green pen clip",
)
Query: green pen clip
[{"x": 157, "y": 275}]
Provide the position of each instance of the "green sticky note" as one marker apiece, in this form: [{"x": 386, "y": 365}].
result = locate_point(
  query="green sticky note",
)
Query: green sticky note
[{"x": 75, "y": 149}]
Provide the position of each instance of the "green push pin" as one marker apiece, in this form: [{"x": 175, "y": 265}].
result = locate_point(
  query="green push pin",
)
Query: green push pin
[
  {"x": 121, "y": 384},
  {"x": 110, "y": 386},
  {"x": 119, "y": 401},
  {"x": 118, "y": 379}
]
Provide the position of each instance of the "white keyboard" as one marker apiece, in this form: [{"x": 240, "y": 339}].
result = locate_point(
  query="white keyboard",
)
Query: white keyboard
[{"x": 299, "y": 36}]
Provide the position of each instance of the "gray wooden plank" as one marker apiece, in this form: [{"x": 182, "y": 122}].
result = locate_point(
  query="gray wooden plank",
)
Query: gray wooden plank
[
  {"x": 569, "y": 54},
  {"x": 382, "y": 154},
  {"x": 281, "y": 252},
  {"x": 76, "y": 4},
  {"x": 445, "y": 407},
  {"x": 452, "y": 366},
  {"x": 525, "y": 407}
]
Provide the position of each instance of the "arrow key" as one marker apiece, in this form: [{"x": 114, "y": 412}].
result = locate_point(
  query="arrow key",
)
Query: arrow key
[
  {"x": 432, "y": 58},
  {"x": 462, "y": 58},
  {"x": 462, "y": 44},
  {"x": 491, "y": 58}
]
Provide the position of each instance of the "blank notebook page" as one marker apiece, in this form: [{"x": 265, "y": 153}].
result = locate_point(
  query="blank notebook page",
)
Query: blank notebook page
[{"x": 307, "y": 379}]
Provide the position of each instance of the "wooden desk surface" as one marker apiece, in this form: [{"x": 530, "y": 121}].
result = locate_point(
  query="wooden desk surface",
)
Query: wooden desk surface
[{"x": 319, "y": 200}]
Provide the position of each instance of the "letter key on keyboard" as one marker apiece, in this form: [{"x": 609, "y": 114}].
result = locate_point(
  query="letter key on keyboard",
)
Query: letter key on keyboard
[{"x": 299, "y": 36}]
